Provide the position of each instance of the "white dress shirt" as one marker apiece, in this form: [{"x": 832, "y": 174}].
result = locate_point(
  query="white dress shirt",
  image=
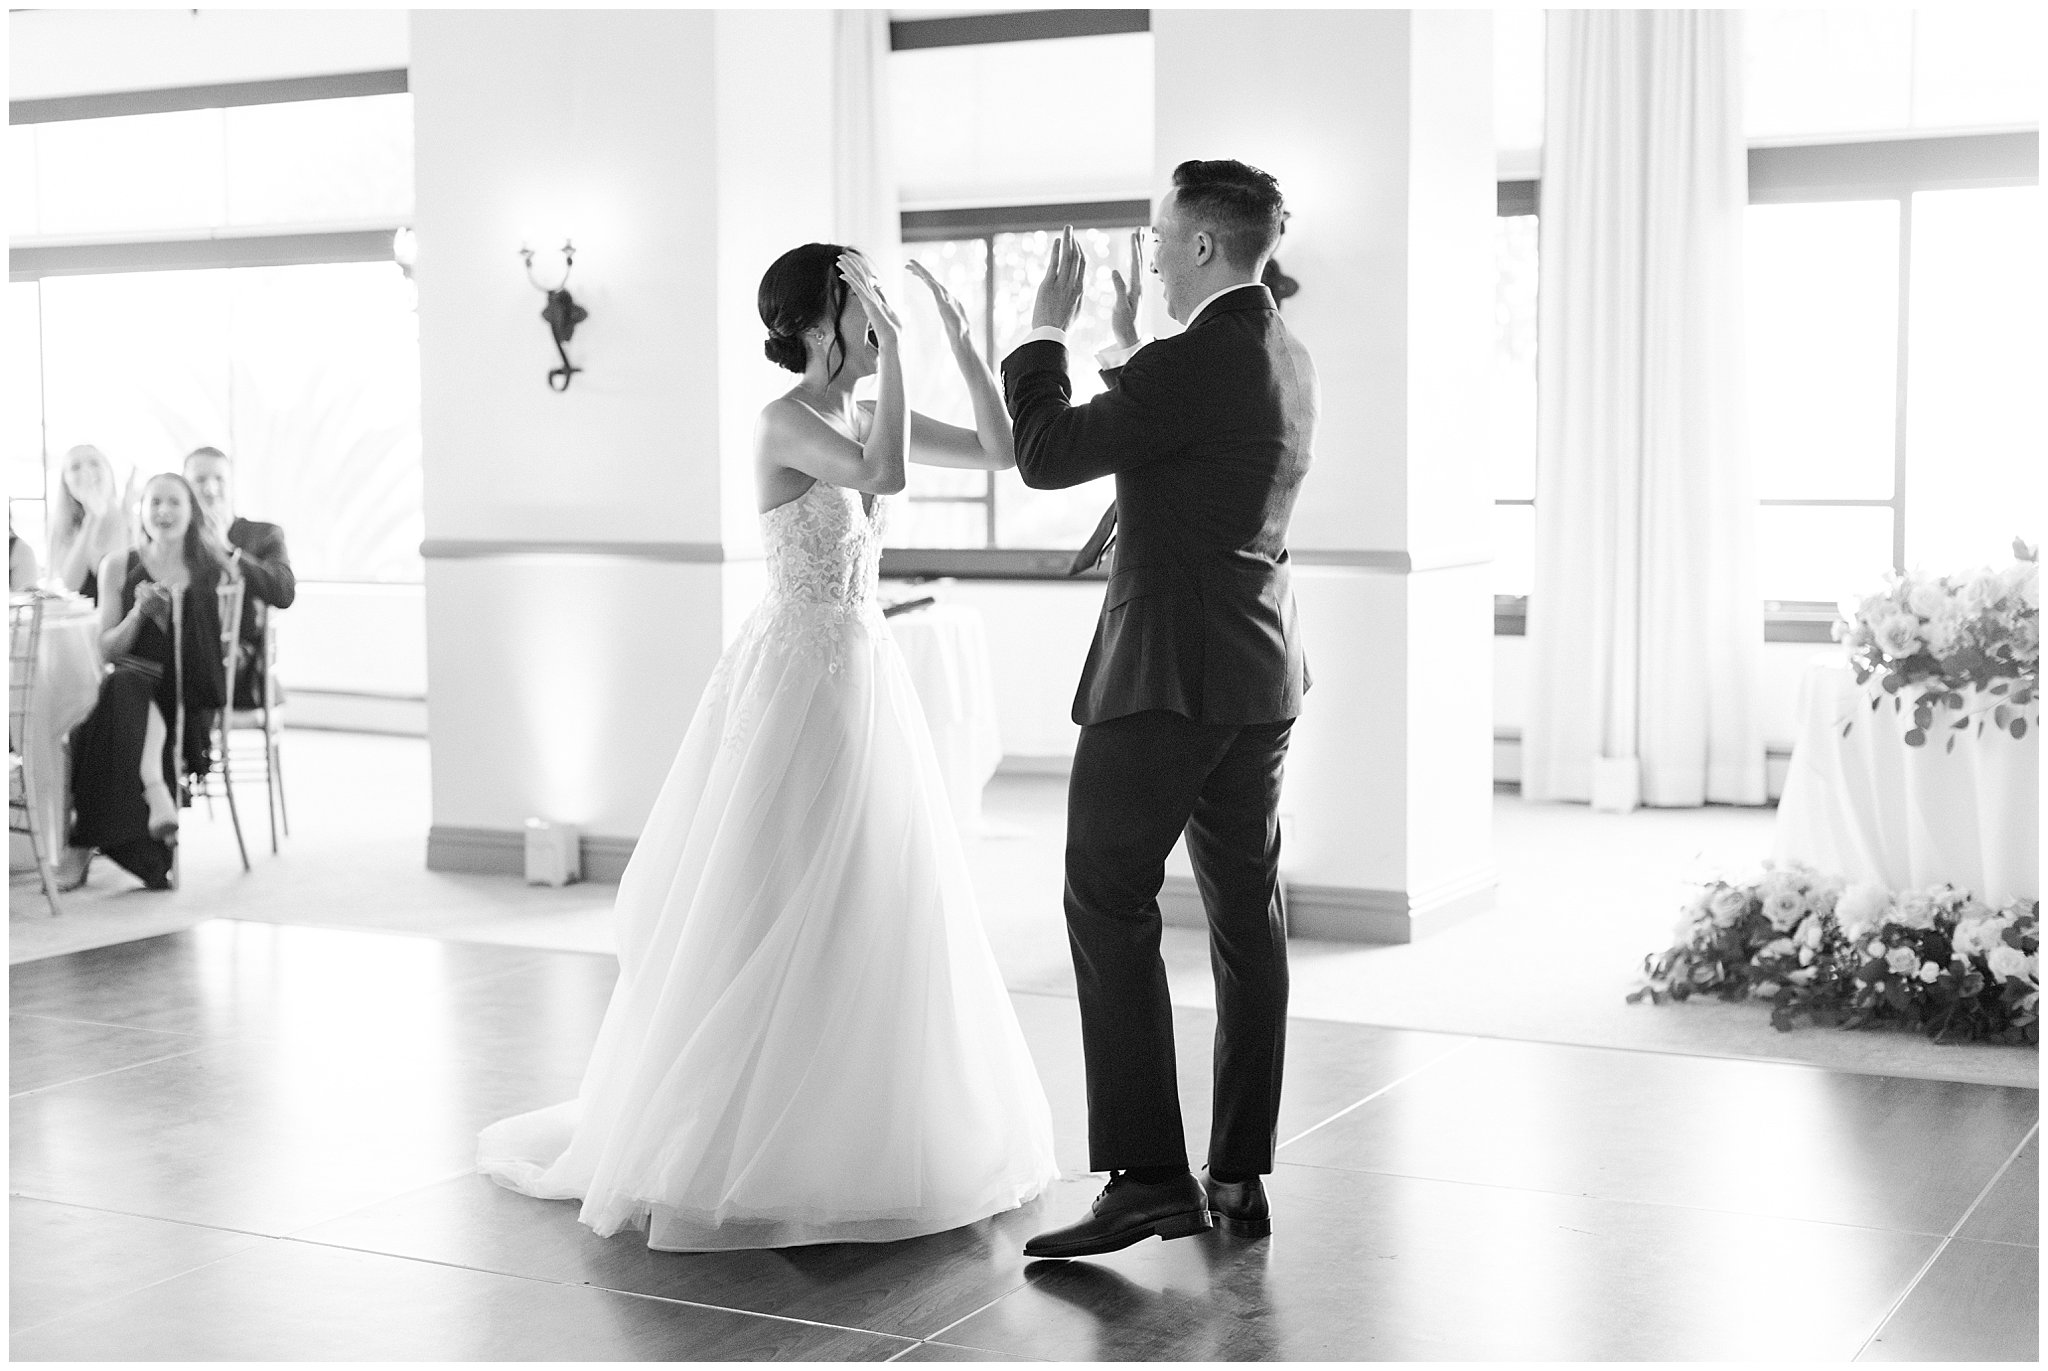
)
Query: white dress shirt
[{"x": 1116, "y": 355}]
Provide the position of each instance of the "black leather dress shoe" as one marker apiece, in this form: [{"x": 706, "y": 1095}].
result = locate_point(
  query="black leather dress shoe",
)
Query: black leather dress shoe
[
  {"x": 1239, "y": 1206},
  {"x": 1128, "y": 1211}
]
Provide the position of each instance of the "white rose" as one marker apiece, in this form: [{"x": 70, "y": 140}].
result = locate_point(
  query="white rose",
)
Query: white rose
[
  {"x": 1728, "y": 904},
  {"x": 2022, "y": 579},
  {"x": 1898, "y": 635},
  {"x": 2008, "y": 961},
  {"x": 1979, "y": 935},
  {"x": 1979, "y": 593},
  {"x": 1902, "y": 960},
  {"x": 1861, "y": 908},
  {"x": 1777, "y": 947},
  {"x": 1930, "y": 972},
  {"x": 1916, "y": 909},
  {"x": 1926, "y": 598},
  {"x": 1785, "y": 909},
  {"x": 1813, "y": 932},
  {"x": 1945, "y": 630}
]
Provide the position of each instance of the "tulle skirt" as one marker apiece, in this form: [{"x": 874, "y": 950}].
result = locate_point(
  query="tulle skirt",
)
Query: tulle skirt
[{"x": 809, "y": 1040}]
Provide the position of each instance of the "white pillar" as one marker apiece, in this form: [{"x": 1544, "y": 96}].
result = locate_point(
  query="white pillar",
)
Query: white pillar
[
  {"x": 1378, "y": 124},
  {"x": 590, "y": 552}
]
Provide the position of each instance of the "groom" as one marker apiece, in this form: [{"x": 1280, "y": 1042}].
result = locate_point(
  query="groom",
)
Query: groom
[{"x": 1189, "y": 693}]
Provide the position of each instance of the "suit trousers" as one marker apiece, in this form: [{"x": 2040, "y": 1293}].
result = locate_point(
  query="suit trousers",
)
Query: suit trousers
[{"x": 1138, "y": 782}]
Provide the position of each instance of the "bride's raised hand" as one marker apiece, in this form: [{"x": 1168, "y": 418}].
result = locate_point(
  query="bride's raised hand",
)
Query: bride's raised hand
[
  {"x": 882, "y": 319},
  {"x": 953, "y": 319},
  {"x": 1123, "y": 306}
]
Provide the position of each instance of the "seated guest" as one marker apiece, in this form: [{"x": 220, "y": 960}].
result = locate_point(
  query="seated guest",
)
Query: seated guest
[
  {"x": 89, "y": 519},
  {"x": 122, "y": 763},
  {"x": 256, "y": 554},
  {"x": 22, "y": 571}
]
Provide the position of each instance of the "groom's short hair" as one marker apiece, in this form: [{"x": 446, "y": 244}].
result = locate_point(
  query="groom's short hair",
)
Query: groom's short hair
[{"x": 1241, "y": 202}]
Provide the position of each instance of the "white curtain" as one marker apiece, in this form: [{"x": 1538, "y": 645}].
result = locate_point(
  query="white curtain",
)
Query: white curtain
[
  {"x": 1645, "y": 625},
  {"x": 865, "y": 213}
]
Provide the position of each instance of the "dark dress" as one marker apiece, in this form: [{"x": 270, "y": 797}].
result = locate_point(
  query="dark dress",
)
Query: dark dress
[{"x": 109, "y": 812}]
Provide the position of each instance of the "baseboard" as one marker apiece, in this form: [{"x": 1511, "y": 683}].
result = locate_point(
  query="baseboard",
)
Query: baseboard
[
  {"x": 348, "y": 711},
  {"x": 1015, "y": 765},
  {"x": 1507, "y": 763},
  {"x": 502, "y": 852},
  {"x": 1351, "y": 914}
]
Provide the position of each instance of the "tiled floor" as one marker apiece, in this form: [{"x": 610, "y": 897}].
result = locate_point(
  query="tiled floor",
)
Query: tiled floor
[{"x": 247, "y": 1141}]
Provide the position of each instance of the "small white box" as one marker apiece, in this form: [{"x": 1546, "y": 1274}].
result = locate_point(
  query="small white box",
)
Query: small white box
[{"x": 554, "y": 853}]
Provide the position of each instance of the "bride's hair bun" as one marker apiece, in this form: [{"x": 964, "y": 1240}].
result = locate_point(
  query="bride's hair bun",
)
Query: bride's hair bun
[
  {"x": 785, "y": 350},
  {"x": 801, "y": 288}
]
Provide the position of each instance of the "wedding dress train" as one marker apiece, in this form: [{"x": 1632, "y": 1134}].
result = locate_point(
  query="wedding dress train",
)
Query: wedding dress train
[{"x": 809, "y": 1040}]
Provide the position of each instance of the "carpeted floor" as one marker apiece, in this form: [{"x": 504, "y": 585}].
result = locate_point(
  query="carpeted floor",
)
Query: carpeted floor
[{"x": 1583, "y": 897}]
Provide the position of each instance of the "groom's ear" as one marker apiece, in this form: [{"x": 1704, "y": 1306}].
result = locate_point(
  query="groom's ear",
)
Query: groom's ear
[{"x": 1205, "y": 247}]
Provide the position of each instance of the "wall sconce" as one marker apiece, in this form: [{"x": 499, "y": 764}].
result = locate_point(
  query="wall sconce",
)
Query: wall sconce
[
  {"x": 1279, "y": 282},
  {"x": 561, "y": 313},
  {"x": 1272, "y": 278}
]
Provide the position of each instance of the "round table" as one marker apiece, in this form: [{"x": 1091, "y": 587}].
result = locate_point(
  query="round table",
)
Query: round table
[
  {"x": 1867, "y": 807},
  {"x": 946, "y": 649},
  {"x": 67, "y": 685}
]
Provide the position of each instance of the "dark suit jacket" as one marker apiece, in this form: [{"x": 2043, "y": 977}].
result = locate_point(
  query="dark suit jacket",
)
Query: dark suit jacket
[
  {"x": 266, "y": 576},
  {"x": 1208, "y": 434}
]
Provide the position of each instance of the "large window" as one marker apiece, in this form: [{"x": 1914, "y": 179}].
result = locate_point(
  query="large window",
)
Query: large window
[
  {"x": 1893, "y": 286},
  {"x": 997, "y": 272},
  {"x": 1511, "y": 398},
  {"x": 983, "y": 192},
  {"x": 224, "y": 276}
]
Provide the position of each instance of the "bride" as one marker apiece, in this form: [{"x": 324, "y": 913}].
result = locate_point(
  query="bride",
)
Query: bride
[{"x": 809, "y": 1040}]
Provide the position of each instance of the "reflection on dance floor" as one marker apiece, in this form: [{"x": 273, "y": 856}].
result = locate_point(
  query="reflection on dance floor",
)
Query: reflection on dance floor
[{"x": 251, "y": 1141}]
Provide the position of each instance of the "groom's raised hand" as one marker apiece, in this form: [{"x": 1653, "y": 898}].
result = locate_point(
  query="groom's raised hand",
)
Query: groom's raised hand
[{"x": 1059, "y": 294}]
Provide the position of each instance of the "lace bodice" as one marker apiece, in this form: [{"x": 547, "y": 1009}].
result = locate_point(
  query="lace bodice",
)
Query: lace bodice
[{"x": 824, "y": 550}]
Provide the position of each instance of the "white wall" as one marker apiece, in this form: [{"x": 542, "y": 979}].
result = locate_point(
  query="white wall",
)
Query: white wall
[
  {"x": 677, "y": 150},
  {"x": 367, "y": 639},
  {"x": 56, "y": 52}
]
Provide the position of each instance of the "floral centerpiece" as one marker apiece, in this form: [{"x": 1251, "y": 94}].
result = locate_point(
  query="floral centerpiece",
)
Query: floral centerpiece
[
  {"x": 1937, "y": 960},
  {"x": 1935, "y": 638}
]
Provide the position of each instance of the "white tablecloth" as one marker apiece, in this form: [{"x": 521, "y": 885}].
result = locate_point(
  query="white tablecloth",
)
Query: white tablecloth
[
  {"x": 1869, "y": 808},
  {"x": 67, "y": 684},
  {"x": 946, "y": 649}
]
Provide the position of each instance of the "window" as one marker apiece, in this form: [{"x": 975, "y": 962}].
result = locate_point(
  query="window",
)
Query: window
[
  {"x": 1823, "y": 365},
  {"x": 1511, "y": 415},
  {"x": 1890, "y": 287},
  {"x": 996, "y": 272},
  {"x": 983, "y": 193},
  {"x": 1848, "y": 301},
  {"x": 323, "y": 422},
  {"x": 135, "y": 324}
]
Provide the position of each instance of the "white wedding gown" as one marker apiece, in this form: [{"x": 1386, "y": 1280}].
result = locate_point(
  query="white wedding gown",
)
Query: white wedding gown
[{"x": 809, "y": 1040}]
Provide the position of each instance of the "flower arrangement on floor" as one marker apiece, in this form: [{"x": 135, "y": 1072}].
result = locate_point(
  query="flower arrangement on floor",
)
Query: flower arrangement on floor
[
  {"x": 1937, "y": 961},
  {"x": 1937, "y": 637}
]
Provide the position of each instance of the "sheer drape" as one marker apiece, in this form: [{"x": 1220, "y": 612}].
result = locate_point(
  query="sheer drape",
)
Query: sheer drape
[
  {"x": 1644, "y": 622},
  {"x": 865, "y": 212}
]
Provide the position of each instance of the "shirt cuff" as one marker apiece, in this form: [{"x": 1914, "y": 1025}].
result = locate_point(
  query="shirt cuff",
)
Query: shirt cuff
[{"x": 1113, "y": 357}]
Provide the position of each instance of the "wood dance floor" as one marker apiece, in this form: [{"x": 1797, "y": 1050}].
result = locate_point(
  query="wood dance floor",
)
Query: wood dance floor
[{"x": 251, "y": 1141}]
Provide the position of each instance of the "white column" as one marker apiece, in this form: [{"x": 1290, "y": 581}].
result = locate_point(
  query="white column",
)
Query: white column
[
  {"x": 1378, "y": 124},
  {"x": 589, "y": 552}
]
